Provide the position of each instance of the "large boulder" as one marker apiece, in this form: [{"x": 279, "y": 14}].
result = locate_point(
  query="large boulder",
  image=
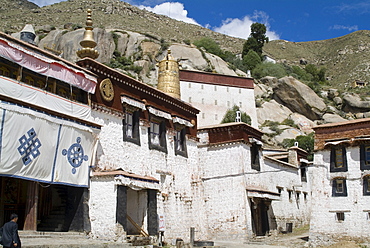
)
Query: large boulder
[
  {"x": 68, "y": 43},
  {"x": 220, "y": 66},
  {"x": 288, "y": 133},
  {"x": 304, "y": 124},
  {"x": 272, "y": 111},
  {"x": 353, "y": 103},
  {"x": 190, "y": 57},
  {"x": 299, "y": 98},
  {"x": 332, "y": 118}
]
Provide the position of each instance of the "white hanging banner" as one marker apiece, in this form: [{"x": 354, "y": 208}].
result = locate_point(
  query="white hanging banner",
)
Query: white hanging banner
[
  {"x": 74, "y": 156},
  {"x": 39, "y": 149}
]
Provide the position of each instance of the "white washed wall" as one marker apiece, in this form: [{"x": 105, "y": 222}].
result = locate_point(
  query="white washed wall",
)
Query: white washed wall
[
  {"x": 178, "y": 197},
  {"x": 295, "y": 210},
  {"x": 204, "y": 97},
  {"x": 207, "y": 190},
  {"x": 103, "y": 200},
  {"x": 228, "y": 173},
  {"x": 324, "y": 225},
  {"x": 226, "y": 204}
]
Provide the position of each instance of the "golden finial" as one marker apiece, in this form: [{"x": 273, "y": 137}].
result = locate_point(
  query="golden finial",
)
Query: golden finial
[
  {"x": 88, "y": 43},
  {"x": 168, "y": 76}
]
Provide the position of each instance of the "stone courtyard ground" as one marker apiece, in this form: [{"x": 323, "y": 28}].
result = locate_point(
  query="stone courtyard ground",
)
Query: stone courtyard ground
[{"x": 297, "y": 239}]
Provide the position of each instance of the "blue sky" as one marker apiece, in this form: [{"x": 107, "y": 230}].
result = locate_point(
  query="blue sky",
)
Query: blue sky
[{"x": 292, "y": 20}]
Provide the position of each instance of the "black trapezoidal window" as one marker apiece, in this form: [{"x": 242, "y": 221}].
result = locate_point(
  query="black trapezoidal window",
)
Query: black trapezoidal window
[
  {"x": 157, "y": 135},
  {"x": 180, "y": 142},
  {"x": 304, "y": 173},
  {"x": 365, "y": 157},
  {"x": 255, "y": 157},
  {"x": 340, "y": 216},
  {"x": 366, "y": 184},
  {"x": 339, "y": 187},
  {"x": 338, "y": 159},
  {"x": 131, "y": 127}
]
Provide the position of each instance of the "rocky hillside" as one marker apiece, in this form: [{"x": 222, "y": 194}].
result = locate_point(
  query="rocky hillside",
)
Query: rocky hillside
[
  {"x": 132, "y": 41},
  {"x": 108, "y": 14},
  {"x": 346, "y": 58}
]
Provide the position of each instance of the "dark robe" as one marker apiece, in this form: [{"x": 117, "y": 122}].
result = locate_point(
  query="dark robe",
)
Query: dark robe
[{"x": 10, "y": 234}]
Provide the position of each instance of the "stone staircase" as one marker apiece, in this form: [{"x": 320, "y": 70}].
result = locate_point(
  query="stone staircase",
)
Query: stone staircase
[{"x": 65, "y": 240}]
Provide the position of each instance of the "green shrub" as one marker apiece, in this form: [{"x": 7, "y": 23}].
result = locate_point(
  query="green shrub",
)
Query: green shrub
[
  {"x": 251, "y": 60},
  {"x": 269, "y": 69},
  {"x": 306, "y": 142},
  {"x": 230, "y": 116},
  {"x": 187, "y": 42},
  {"x": 209, "y": 45},
  {"x": 289, "y": 122}
]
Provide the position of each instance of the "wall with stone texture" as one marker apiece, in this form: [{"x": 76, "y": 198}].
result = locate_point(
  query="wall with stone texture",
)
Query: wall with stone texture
[
  {"x": 226, "y": 204},
  {"x": 179, "y": 185},
  {"x": 206, "y": 190},
  {"x": 296, "y": 209},
  {"x": 204, "y": 97},
  {"x": 227, "y": 173},
  {"x": 325, "y": 227},
  {"x": 103, "y": 200}
]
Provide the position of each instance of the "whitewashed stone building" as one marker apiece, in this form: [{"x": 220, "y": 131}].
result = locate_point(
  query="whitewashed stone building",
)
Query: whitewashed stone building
[
  {"x": 147, "y": 158},
  {"x": 341, "y": 179},
  {"x": 214, "y": 94},
  {"x": 247, "y": 193},
  {"x": 151, "y": 163},
  {"x": 216, "y": 184}
]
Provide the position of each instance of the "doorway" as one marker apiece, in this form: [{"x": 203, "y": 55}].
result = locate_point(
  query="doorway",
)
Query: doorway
[
  {"x": 259, "y": 211},
  {"x": 56, "y": 207}
]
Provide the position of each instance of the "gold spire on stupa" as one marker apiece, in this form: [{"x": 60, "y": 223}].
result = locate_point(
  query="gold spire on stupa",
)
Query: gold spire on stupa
[
  {"x": 168, "y": 76},
  {"x": 88, "y": 43}
]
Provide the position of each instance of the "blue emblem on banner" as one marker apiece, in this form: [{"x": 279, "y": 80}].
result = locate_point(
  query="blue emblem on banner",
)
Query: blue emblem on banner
[
  {"x": 75, "y": 155},
  {"x": 29, "y": 147}
]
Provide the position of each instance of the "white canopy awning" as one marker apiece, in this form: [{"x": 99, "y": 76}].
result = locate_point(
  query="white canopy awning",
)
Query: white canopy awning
[
  {"x": 181, "y": 121},
  {"x": 132, "y": 102},
  {"x": 41, "y": 98},
  {"x": 160, "y": 113},
  {"x": 47, "y": 66}
]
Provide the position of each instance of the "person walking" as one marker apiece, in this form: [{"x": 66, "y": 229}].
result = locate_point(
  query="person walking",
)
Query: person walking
[{"x": 10, "y": 233}]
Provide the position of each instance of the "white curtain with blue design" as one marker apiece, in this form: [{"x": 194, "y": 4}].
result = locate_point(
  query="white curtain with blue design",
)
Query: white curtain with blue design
[{"x": 40, "y": 147}]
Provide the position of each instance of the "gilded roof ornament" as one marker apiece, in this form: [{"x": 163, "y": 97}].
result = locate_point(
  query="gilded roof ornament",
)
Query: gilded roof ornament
[
  {"x": 168, "y": 76},
  {"x": 88, "y": 43}
]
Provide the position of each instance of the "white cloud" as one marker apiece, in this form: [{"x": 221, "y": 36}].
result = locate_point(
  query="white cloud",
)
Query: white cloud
[
  {"x": 241, "y": 28},
  {"x": 349, "y": 28},
  {"x": 362, "y": 7},
  {"x": 42, "y": 3},
  {"x": 174, "y": 10}
]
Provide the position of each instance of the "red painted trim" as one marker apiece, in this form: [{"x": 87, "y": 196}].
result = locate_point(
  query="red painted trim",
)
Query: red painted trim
[{"x": 216, "y": 79}]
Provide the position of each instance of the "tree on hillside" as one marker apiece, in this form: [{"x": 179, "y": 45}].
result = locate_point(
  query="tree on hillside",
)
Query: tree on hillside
[
  {"x": 256, "y": 40},
  {"x": 251, "y": 60},
  {"x": 231, "y": 115}
]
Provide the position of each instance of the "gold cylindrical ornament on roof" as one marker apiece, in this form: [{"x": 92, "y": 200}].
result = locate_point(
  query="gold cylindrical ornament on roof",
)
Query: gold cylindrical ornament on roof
[{"x": 168, "y": 76}]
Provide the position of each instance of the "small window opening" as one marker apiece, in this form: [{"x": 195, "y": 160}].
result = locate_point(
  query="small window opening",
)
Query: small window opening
[
  {"x": 290, "y": 195},
  {"x": 340, "y": 216}
]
